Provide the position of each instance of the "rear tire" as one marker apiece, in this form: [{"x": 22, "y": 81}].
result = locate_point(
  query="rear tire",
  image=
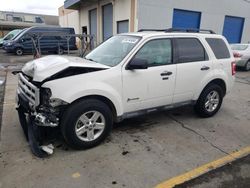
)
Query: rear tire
[
  {"x": 209, "y": 101},
  {"x": 19, "y": 51},
  {"x": 60, "y": 51},
  {"x": 247, "y": 66},
  {"x": 86, "y": 123}
]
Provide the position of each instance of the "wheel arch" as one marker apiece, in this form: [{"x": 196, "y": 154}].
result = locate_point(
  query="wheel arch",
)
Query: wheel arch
[
  {"x": 218, "y": 81},
  {"x": 103, "y": 99}
]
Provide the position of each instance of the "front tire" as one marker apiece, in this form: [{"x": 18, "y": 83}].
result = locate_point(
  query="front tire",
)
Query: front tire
[
  {"x": 209, "y": 101},
  {"x": 86, "y": 123},
  {"x": 19, "y": 51}
]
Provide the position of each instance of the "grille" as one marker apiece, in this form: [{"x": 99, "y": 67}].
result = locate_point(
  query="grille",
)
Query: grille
[{"x": 30, "y": 91}]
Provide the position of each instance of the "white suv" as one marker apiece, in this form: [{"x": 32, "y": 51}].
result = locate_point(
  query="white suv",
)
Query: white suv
[{"x": 127, "y": 75}]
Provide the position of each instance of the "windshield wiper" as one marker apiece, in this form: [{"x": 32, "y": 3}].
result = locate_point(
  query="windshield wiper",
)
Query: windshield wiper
[{"x": 90, "y": 59}]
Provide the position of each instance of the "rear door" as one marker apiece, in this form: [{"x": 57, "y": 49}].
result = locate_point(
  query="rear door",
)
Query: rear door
[{"x": 193, "y": 66}]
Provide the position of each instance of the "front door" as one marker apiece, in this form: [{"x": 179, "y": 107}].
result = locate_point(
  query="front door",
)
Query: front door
[{"x": 154, "y": 86}]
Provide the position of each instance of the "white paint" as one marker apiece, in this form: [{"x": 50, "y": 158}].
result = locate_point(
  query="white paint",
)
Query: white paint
[{"x": 145, "y": 87}]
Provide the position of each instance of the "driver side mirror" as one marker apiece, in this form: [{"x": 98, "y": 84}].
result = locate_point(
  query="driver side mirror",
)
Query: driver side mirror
[{"x": 137, "y": 63}]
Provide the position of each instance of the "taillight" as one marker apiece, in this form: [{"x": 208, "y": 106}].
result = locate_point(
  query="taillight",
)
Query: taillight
[
  {"x": 233, "y": 65},
  {"x": 237, "y": 55}
]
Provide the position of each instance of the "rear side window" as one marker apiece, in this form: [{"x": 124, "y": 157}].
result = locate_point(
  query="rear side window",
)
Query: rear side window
[
  {"x": 219, "y": 48},
  {"x": 189, "y": 50}
]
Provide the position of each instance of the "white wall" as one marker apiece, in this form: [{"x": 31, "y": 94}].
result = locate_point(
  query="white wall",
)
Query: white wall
[
  {"x": 121, "y": 11},
  {"x": 159, "y": 13},
  {"x": 70, "y": 20}
]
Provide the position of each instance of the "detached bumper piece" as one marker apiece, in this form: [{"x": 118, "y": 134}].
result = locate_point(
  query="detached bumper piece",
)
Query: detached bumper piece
[
  {"x": 34, "y": 124},
  {"x": 33, "y": 134},
  {"x": 35, "y": 127}
]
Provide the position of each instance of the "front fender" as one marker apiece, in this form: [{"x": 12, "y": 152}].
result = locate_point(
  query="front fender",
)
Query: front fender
[{"x": 75, "y": 89}]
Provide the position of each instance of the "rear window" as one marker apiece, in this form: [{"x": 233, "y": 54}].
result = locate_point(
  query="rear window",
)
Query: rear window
[
  {"x": 219, "y": 48},
  {"x": 190, "y": 50},
  {"x": 239, "y": 47}
]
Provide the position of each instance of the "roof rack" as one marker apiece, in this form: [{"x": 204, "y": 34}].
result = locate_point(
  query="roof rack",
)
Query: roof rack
[
  {"x": 158, "y": 30},
  {"x": 189, "y": 30}
]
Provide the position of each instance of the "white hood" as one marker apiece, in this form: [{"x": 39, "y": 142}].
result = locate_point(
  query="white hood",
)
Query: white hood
[{"x": 45, "y": 67}]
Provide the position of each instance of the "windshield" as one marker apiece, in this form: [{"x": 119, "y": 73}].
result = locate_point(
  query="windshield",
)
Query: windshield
[
  {"x": 11, "y": 34},
  {"x": 114, "y": 50},
  {"x": 239, "y": 47},
  {"x": 19, "y": 34}
]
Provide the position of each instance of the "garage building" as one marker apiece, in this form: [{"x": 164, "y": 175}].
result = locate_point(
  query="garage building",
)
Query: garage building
[{"x": 104, "y": 18}]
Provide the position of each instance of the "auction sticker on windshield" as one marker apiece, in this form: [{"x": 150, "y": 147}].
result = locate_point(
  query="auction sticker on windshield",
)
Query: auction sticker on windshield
[{"x": 131, "y": 41}]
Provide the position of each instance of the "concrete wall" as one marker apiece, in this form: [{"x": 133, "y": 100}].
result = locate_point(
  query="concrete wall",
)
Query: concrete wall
[
  {"x": 159, "y": 13},
  {"x": 69, "y": 18},
  {"x": 121, "y": 11}
]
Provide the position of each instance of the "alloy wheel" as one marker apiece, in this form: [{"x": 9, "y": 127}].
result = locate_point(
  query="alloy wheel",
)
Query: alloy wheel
[
  {"x": 212, "y": 101},
  {"x": 90, "y": 126}
]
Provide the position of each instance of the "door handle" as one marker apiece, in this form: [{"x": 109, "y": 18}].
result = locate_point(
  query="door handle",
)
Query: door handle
[
  {"x": 204, "y": 68},
  {"x": 167, "y": 73}
]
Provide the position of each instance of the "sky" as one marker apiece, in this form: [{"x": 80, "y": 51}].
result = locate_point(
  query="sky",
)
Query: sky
[{"x": 49, "y": 7}]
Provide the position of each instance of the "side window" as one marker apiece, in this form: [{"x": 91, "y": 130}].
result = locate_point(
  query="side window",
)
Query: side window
[
  {"x": 156, "y": 52},
  {"x": 26, "y": 38},
  {"x": 219, "y": 48},
  {"x": 189, "y": 50}
]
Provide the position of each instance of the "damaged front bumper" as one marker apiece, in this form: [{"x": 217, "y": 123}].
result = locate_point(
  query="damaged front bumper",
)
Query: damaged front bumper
[
  {"x": 34, "y": 125},
  {"x": 35, "y": 118}
]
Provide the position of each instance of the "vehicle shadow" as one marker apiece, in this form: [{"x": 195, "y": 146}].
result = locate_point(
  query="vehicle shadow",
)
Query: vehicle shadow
[{"x": 130, "y": 126}]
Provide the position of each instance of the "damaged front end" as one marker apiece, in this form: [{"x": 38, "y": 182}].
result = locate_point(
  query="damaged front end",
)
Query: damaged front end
[{"x": 37, "y": 112}]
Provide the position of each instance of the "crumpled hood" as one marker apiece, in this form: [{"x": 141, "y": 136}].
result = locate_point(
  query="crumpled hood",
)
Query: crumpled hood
[{"x": 45, "y": 67}]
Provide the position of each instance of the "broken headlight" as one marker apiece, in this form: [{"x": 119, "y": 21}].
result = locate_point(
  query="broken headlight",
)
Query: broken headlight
[{"x": 45, "y": 95}]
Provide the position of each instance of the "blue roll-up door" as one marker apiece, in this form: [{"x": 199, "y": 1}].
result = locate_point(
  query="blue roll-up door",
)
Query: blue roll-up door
[
  {"x": 122, "y": 26},
  {"x": 233, "y": 28},
  {"x": 107, "y": 21},
  {"x": 93, "y": 22},
  {"x": 186, "y": 19}
]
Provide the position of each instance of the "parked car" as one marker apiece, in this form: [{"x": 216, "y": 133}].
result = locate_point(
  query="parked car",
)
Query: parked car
[
  {"x": 126, "y": 76},
  {"x": 7, "y": 41},
  {"x": 23, "y": 43},
  {"x": 9, "y": 36},
  {"x": 242, "y": 55}
]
